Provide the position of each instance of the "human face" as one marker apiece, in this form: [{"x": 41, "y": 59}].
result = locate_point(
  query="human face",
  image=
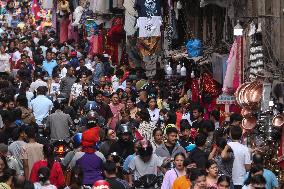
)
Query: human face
[
  {"x": 99, "y": 98},
  {"x": 83, "y": 78},
  {"x": 102, "y": 81},
  {"x": 48, "y": 56},
  {"x": 213, "y": 171},
  {"x": 201, "y": 182},
  {"x": 186, "y": 133},
  {"x": 2, "y": 166},
  {"x": 152, "y": 104},
  {"x": 224, "y": 185},
  {"x": 107, "y": 88},
  {"x": 11, "y": 105},
  {"x": 172, "y": 138},
  {"x": 125, "y": 137},
  {"x": 142, "y": 95},
  {"x": 111, "y": 134},
  {"x": 71, "y": 71},
  {"x": 179, "y": 162},
  {"x": 196, "y": 114},
  {"x": 129, "y": 104},
  {"x": 158, "y": 137},
  {"x": 115, "y": 99},
  {"x": 257, "y": 186},
  {"x": 138, "y": 118}
]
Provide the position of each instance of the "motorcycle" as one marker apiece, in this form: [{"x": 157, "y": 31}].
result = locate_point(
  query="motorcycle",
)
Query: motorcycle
[
  {"x": 149, "y": 181},
  {"x": 61, "y": 148}
]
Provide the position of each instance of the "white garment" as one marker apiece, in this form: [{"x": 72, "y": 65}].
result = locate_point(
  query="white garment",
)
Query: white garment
[
  {"x": 30, "y": 53},
  {"x": 37, "y": 185},
  {"x": 99, "y": 6},
  {"x": 154, "y": 115},
  {"x": 54, "y": 88},
  {"x": 129, "y": 7},
  {"x": 37, "y": 83},
  {"x": 115, "y": 83},
  {"x": 41, "y": 107},
  {"x": 187, "y": 117},
  {"x": 63, "y": 73},
  {"x": 29, "y": 96},
  {"x": 16, "y": 56},
  {"x": 242, "y": 157},
  {"x": 5, "y": 62},
  {"x": 149, "y": 27},
  {"x": 47, "y": 4},
  {"x": 76, "y": 90},
  {"x": 129, "y": 25}
]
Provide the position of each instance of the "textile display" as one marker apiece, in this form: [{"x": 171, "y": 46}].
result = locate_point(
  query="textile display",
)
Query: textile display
[
  {"x": 64, "y": 29},
  {"x": 148, "y": 46},
  {"x": 148, "y": 8},
  {"x": 194, "y": 48},
  {"x": 149, "y": 26}
]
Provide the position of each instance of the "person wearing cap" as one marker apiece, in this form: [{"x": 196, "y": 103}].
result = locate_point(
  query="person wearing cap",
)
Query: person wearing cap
[
  {"x": 74, "y": 62},
  {"x": 48, "y": 64},
  {"x": 90, "y": 160}
]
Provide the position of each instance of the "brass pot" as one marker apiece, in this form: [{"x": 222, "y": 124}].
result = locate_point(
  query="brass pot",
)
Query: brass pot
[
  {"x": 278, "y": 120},
  {"x": 246, "y": 112},
  {"x": 249, "y": 123}
]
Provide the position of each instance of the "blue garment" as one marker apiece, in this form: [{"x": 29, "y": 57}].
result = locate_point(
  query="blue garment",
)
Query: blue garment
[
  {"x": 74, "y": 62},
  {"x": 127, "y": 162},
  {"x": 48, "y": 66},
  {"x": 271, "y": 180},
  {"x": 99, "y": 71}
]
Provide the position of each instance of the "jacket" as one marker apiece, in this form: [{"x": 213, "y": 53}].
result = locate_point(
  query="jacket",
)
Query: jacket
[{"x": 162, "y": 151}]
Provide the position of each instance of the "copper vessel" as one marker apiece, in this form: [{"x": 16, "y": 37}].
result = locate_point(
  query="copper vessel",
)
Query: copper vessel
[
  {"x": 249, "y": 123},
  {"x": 246, "y": 112},
  {"x": 278, "y": 120}
]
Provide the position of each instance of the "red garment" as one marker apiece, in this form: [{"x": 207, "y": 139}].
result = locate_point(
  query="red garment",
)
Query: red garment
[
  {"x": 56, "y": 174},
  {"x": 64, "y": 30},
  {"x": 179, "y": 118},
  {"x": 89, "y": 139},
  {"x": 195, "y": 90},
  {"x": 19, "y": 62}
]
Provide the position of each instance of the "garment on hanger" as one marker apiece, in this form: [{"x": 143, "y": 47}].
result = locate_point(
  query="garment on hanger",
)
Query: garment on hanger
[
  {"x": 129, "y": 7},
  {"x": 148, "y": 8},
  {"x": 149, "y": 46},
  {"x": 101, "y": 6},
  {"x": 47, "y": 4},
  {"x": 129, "y": 25},
  {"x": 149, "y": 26}
]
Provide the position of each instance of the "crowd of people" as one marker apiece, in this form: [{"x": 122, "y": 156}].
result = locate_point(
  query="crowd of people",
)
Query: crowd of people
[{"x": 123, "y": 126}]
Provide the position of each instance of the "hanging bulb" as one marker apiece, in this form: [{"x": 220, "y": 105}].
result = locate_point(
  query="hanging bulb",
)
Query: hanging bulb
[
  {"x": 169, "y": 69},
  {"x": 178, "y": 68},
  {"x": 183, "y": 70},
  {"x": 192, "y": 75}
]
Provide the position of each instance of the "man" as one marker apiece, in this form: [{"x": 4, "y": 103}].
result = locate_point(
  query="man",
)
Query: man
[
  {"x": 110, "y": 171},
  {"x": 145, "y": 162},
  {"x": 11, "y": 160},
  {"x": 115, "y": 107},
  {"x": 67, "y": 82},
  {"x": 271, "y": 180},
  {"x": 236, "y": 119},
  {"x": 142, "y": 104},
  {"x": 215, "y": 118},
  {"x": 58, "y": 123},
  {"x": 242, "y": 160},
  {"x": 41, "y": 105},
  {"x": 39, "y": 76},
  {"x": 198, "y": 154},
  {"x": 49, "y": 64},
  {"x": 185, "y": 138},
  {"x": 197, "y": 113},
  {"x": 170, "y": 148},
  {"x": 31, "y": 152},
  {"x": 19, "y": 137}
]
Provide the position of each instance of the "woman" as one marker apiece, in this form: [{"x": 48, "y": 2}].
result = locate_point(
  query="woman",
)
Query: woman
[
  {"x": 130, "y": 104},
  {"x": 43, "y": 175},
  {"x": 198, "y": 179},
  {"x": 115, "y": 107},
  {"x": 4, "y": 61},
  {"x": 56, "y": 174},
  {"x": 77, "y": 88},
  {"x": 27, "y": 114},
  {"x": 76, "y": 179},
  {"x": 255, "y": 170},
  {"x": 223, "y": 182},
  {"x": 110, "y": 139},
  {"x": 154, "y": 112},
  {"x": 24, "y": 90},
  {"x": 7, "y": 179},
  {"x": 145, "y": 126},
  {"x": 256, "y": 182},
  {"x": 158, "y": 138},
  {"x": 3, "y": 167},
  {"x": 174, "y": 173},
  {"x": 212, "y": 174}
]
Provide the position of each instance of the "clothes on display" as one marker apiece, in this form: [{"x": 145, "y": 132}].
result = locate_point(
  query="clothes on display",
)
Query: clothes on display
[
  {"x": 47, "y": 4},
  {"x": 148, "y": 46},
  {"x": 129, "y": 25},
  {"x": 149, "y": 26},
  {"x": 148, "y": 8}
]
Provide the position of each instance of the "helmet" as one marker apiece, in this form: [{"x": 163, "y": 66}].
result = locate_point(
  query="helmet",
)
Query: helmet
[
  {"x": 92, "y": 119},
  {"x": 77, "y": 138},
  {"x": 123, "y": 129},
  {"x": 101, "y": 184},
  {"x": 145, "y": 148}
]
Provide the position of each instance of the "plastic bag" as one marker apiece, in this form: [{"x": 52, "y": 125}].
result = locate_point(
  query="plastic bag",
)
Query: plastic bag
[{"x": 194, "y": 48}]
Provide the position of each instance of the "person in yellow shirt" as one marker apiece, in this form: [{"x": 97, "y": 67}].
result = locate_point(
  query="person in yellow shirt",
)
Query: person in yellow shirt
[{"x": 183, "y": 182}]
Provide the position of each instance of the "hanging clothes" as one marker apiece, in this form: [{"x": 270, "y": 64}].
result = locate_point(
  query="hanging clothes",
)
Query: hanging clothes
[
  {"x": 64, "y": 29},
  {"x": 148, "y": 46},
  {"x": 148, "y": 8},
  {"x": 149, "y": 26},
  {"x": 47, "y": 4}
]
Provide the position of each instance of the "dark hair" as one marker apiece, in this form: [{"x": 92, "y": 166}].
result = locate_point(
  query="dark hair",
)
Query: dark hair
[
  {"x": 144, "y": 115},
  {"x": 109, "y": 167},
  {"x": 235, "y": 117},
  {"x": 188, "y": 161},
  {"x": 258, "y": 179},
  {"x": 171, "y": 130},
  {"x": 17, "y": 132},
  {"x": 184, "y": 124},
  {"x": 215, "y": 114},
  {"x": 253, "y": 170},
  {"x": 179, "y": 154},
  {"x": 195, "y": 173},
  {"x": 221, "y": 143},
  {"x": 17, "y": 113},
  {"x": 209, "y": 163},
  {"x": 48, "y": 152},
  {"x": 8, "y": 172},
  {"x": 172, "y": 118},
  {"x": 236, "y": 132},
  {"x": 257, "y": 159},
  {"x": 77, "y": 175},
  {"x": 41, "y": 90},
  {"x": 57, "y": 105},
  {"x": 22, "y": 100},
  {"x": 23, "y": 88},
  {"x": 43, "y": 174},
  {"x": 18, "y": 182},
  {"x": 30, "y": 132},
  {"x": 3, "y": 158},
  {"x": 198, "y": 108},
  {"x": 200, "y": 140},
  {"x": 156, "y": 130},
  {"x": 28, "y": 185},
  {"x": 207, "y": 126},
  {"x": 223, "y": 178}
]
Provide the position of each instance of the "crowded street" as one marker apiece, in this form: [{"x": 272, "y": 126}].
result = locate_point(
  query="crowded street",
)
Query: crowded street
[{"x": 141, "y": 94}]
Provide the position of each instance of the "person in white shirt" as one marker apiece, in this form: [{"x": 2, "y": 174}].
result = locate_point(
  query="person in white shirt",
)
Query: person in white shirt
[
  {"x": 39, "y": 81},
  {"x": 4, "y": 60},
  {"x": 242, "y": 158},
  {"x": 41, "y": 105}
]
